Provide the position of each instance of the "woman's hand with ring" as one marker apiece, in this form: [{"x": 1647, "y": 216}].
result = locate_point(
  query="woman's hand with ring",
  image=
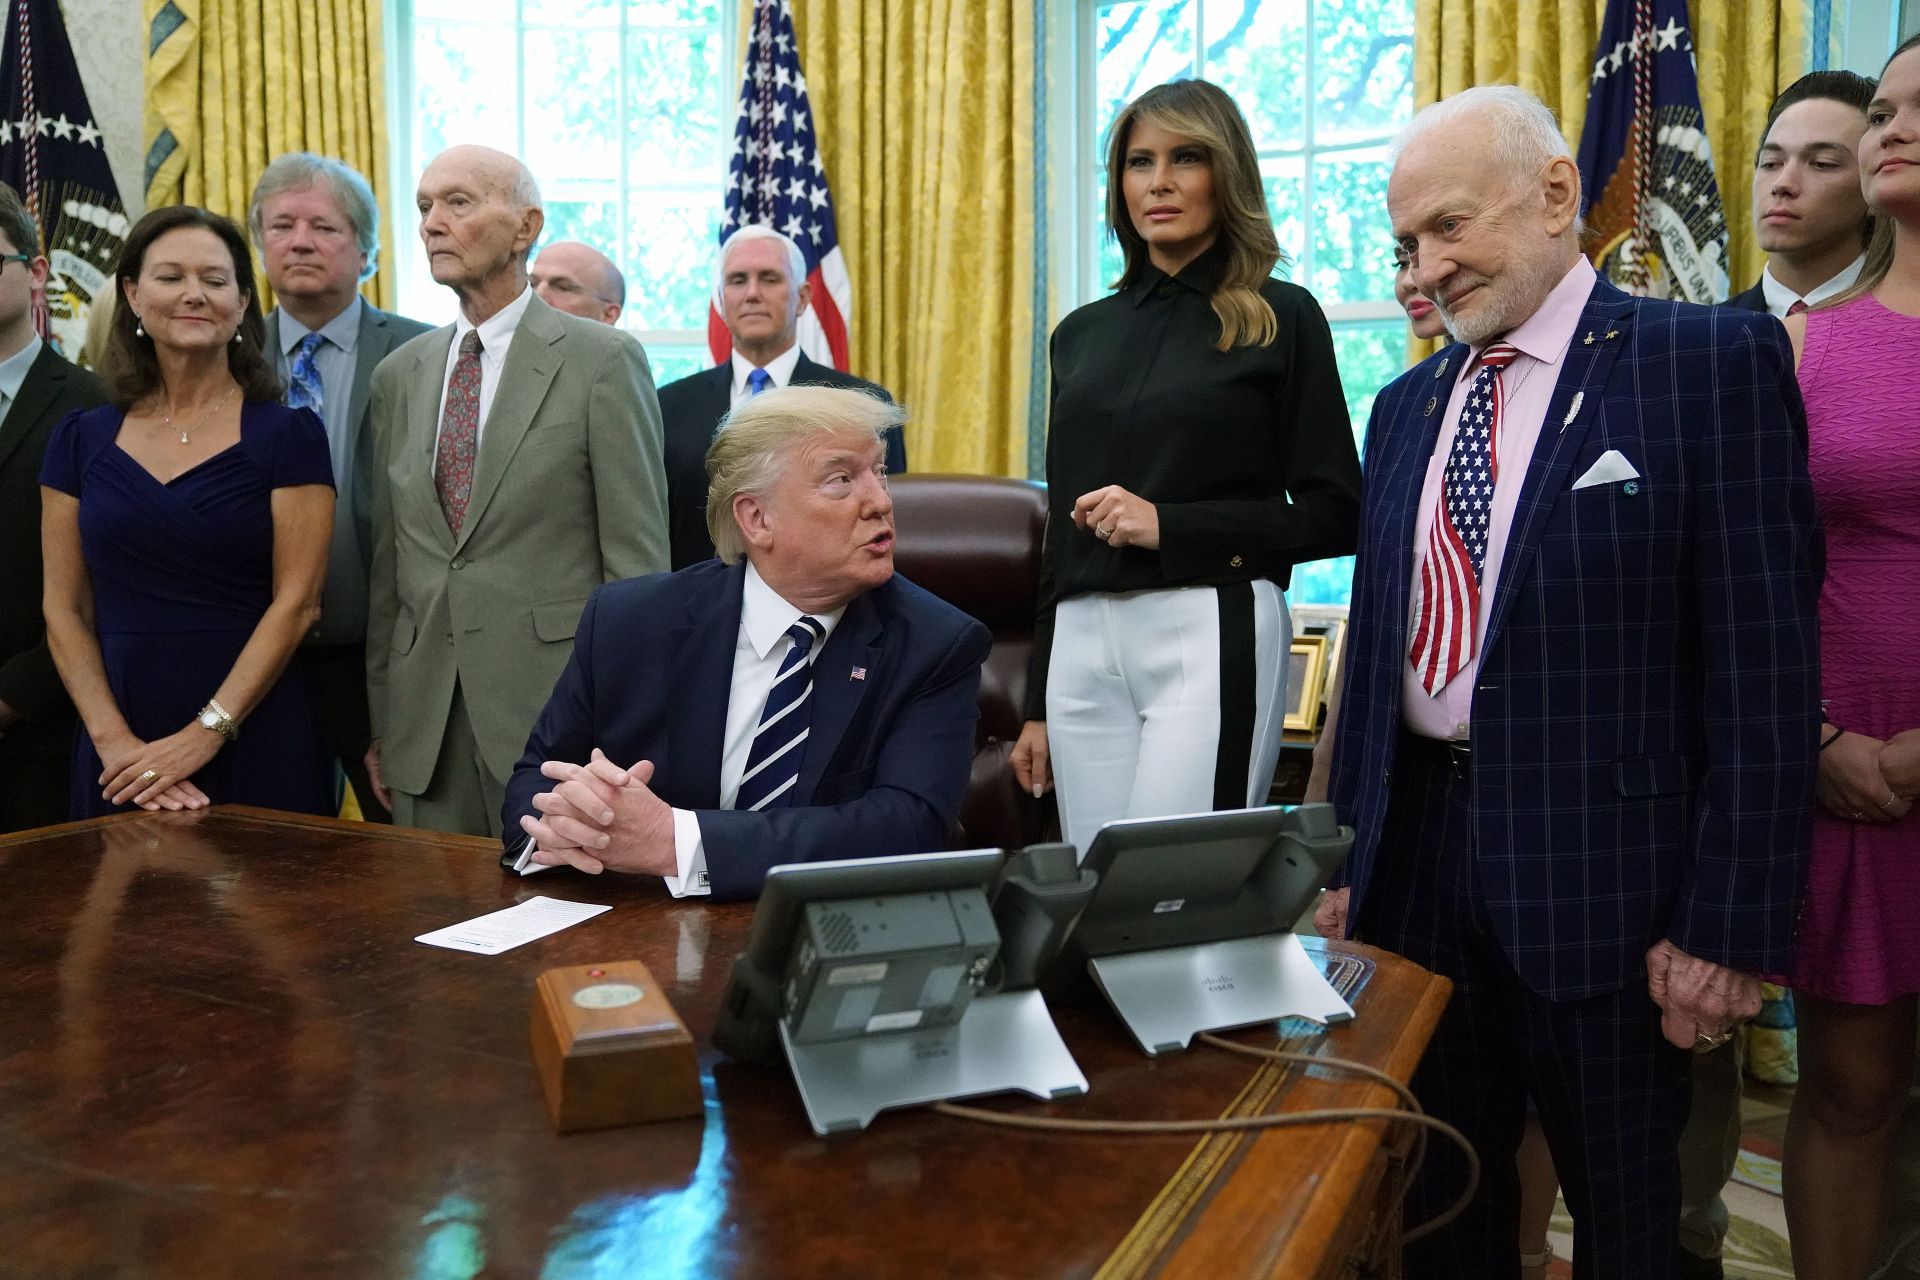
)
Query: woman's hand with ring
[
  {"x": 158, "y": 774},
  {"x": 1850, "y": 784},
  {"x": 1119, "y": 518}
]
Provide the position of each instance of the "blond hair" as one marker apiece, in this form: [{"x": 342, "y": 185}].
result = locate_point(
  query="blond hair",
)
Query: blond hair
[
  {"x": 753, "y": 444},
  {"x": 1202, "y": 111}
]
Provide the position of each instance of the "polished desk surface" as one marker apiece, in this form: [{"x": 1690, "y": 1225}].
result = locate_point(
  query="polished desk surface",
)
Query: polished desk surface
[{"x": 223, "y": 1054}]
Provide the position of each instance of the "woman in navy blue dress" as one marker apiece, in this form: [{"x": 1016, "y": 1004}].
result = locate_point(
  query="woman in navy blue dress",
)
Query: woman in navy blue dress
[{"x": 185, "y": 530}]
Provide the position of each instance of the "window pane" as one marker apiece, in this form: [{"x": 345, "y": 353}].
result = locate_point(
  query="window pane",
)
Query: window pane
[
  {"x": 669, "y": 13},
  {"x": 1352, "y": 237},
  {"x": 458, "y": 71},
  {"x": 674, "y": 123},
  {"x": 1137, "y": 45},
  {"x": 571, "y": 76},
  {"x": 1370, "y": 356},
  {"x": 594, "y": 222},
  {"x": 500, "y": 11},
  {"x": 1256, "y": 51},
  {"x": 572, "y": 13},
  {"x": 1364, "y": 64},
  {"x": 674, "y": 361},
  {"x": 675, "y": 245},
  {"x": 1285, "y": 183}
]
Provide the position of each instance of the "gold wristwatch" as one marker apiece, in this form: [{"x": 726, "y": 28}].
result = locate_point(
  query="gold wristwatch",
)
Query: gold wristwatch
[{"x": 215, "y": 717}]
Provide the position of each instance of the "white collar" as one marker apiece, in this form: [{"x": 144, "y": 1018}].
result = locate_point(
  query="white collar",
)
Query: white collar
[
  {"x": 765, "y": 614},
  {"x": 496, "y": 331},
  {"x": 780, "y": 369},
  {"x": 1780, "y": 299}
]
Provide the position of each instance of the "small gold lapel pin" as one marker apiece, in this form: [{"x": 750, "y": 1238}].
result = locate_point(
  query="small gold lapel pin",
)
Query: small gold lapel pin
[
  {"x": 1588, "y": 340},
  {"x": 1613, "y": 333}
]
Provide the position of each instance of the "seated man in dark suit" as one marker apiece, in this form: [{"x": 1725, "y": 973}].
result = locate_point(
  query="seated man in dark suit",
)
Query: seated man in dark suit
[
  {"x": 792, "y": 701},
  {"x": 761, "y": 295},
  {"x": 37, "y": 389}
]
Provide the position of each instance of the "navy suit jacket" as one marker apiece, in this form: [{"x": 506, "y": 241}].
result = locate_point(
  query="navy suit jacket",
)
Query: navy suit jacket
[
  {"x": 1646, "y": 714},
  {"x": 1754, "y": 299},
  {"x": 691, "y": 408},
  {"x": 889, "y": 748}
]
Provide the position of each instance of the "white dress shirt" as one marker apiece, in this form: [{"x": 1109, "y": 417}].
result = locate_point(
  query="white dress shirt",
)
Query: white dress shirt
[
  {"x": 758, "y": 651},
  {"x": 780, "y": 369},
  {"x": 13, "y": 373},
  {"x": 496, "y": 335},
  {"x": 1780, "y": 298}
]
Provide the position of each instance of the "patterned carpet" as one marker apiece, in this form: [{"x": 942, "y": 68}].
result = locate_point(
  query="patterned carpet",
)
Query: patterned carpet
[{"x": 1756, "y": 1247}]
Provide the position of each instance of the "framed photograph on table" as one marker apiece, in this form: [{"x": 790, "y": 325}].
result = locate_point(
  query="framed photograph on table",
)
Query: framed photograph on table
[
  {"x": 1330, "y": 621},
  {"x": 1306, "y": 682}
]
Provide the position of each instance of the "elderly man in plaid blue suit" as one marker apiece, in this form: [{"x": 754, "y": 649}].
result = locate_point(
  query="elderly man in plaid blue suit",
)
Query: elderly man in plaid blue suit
[{"x": 1578, "y": 733}]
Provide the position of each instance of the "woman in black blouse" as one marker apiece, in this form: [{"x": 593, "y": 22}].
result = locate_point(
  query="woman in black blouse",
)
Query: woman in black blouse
[{"x": 1199, "y": 448}]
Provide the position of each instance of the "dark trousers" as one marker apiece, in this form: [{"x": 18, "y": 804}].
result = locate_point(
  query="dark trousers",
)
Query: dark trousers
[
  {"x": 1610, "y": 1091},
  {"x": 337, "y": 682},
  {"x": 36, "y": 770}
]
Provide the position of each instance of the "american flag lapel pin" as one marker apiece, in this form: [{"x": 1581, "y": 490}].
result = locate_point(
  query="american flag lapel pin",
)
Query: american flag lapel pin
[
  {"x": 858, "y": 673},
  {"x": 1573, "y": 410}
]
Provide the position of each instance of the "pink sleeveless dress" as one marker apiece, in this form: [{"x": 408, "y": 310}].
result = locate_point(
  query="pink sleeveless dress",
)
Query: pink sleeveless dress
[{"x": 1860, "y": 927}]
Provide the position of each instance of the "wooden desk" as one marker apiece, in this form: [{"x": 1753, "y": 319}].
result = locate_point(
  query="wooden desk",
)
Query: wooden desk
[{"x": 222, "y": 1054}]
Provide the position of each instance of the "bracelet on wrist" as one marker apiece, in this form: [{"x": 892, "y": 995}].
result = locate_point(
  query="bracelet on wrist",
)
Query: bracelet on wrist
[
  {"x": 215, "y": 717},
  {"x": 1838, "y": 732}
]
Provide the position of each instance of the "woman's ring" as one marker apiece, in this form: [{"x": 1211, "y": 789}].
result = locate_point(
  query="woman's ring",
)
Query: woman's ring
[
  {"x": 1889, "y": 802},
  {"x": 1103, "y": 531},
  {"x": 149, "y": 776},
  {"x": 1858, "y": 814}
]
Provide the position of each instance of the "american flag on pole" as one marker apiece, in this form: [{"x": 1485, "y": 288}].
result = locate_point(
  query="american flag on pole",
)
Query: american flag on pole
[
  {"x": 1652, "y": 204},
  {"x": 776, "y": 179},
  {"x": 52, "y": 153}
]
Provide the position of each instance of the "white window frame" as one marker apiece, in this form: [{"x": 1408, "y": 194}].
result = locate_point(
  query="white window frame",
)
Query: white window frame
[{"x": 403, "y": 168}]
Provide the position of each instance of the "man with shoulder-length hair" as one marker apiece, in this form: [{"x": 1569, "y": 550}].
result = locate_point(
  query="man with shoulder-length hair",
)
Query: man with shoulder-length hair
[
  {"x": 517, "y": 468},
  {"x": 760, "y": 292},
  {"x": 317, "y": 227},
  {"x": 1578, "y": 732},
  {"x": 793, "y": 700}
]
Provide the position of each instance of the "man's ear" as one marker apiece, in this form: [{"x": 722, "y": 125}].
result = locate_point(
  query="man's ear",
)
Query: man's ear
[
  {"x": 750, "y": 515},
  {"x": 1560, "y": 192}
]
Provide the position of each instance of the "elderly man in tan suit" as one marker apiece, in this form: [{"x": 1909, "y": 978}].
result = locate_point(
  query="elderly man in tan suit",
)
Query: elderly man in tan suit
[{"x": 518, "y": 466}]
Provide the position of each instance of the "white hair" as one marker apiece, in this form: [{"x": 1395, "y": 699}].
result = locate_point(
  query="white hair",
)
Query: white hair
[
  {"x": 796, "y": 261},
  {"x": 1520, "y": 130}
]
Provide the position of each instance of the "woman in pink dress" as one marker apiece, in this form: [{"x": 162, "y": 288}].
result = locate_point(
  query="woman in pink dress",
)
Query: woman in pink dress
[{"x": 1857, "y": 973}]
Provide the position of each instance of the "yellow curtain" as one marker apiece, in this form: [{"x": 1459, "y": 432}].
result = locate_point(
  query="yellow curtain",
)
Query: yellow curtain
[
  {"x": 927, "y": 128},
  {"x": 1746, "y": 52},
  {"x": 233, "y": 83}
]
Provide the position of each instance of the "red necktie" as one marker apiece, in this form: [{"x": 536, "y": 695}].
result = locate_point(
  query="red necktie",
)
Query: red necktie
[
  {"x": 1457, "y": 543},
  {"x": 459, "y": 433}
]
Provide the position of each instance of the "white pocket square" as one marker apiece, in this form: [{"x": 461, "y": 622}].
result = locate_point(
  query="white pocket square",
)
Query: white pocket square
[{"x": 1611, "y": 468}]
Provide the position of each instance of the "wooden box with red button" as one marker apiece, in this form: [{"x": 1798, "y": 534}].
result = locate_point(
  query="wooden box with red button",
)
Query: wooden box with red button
[{"x": 610, "y": 1050}]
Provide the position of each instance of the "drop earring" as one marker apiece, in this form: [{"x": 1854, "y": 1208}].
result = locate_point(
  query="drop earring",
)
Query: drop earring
[
  {"x": 139, "y": 330},
  {"x": 236, "y": 337}
]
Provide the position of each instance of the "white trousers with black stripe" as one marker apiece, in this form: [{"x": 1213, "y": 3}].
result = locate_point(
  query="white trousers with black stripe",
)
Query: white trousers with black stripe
[{"x": 1165, "y": 702}]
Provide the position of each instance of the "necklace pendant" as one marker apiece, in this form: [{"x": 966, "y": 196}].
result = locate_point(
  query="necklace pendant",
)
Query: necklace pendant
[{"x": 183, "y": 437}]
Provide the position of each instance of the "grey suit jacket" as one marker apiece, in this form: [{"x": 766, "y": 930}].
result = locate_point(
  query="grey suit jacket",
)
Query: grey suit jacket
[
  {"x": 380, "y": 333},
  {"x": 568, "y": 492}
]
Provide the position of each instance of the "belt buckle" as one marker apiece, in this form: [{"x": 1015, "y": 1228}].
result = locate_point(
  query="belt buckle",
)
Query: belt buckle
[{"x": 1460, "y": 756}]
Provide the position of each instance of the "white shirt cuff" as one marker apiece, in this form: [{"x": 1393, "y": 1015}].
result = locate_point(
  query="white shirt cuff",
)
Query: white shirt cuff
[
  {"x": 525, "y": 864},
  {"x": 690, "y": 854}
]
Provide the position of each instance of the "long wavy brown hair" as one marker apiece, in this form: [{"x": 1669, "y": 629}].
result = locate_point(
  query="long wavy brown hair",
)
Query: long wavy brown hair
[
  {"x": 1202, "y": 111},
  {"x": 133, "y": 371}
]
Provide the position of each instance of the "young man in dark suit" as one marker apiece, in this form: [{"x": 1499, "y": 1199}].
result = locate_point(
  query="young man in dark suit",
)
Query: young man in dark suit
[
  {"x": 763, "y": 292},
  {"x": 1808, "y": 213},
  {"x": 318, "y": 231},
  {"x": 1578, "y": 734},
  {"x": 799, "y": 701},
  {"x": 37, "y": 390}
]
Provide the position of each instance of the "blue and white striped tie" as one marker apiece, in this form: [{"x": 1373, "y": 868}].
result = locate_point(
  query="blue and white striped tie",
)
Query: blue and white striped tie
[{"x": 773, "y": 762}]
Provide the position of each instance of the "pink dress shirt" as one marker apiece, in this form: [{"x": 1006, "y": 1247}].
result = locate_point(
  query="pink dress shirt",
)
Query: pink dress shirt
[{"x": 1529, "y": 382}]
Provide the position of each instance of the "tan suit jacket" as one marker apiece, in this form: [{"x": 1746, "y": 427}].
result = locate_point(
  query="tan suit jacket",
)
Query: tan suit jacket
[{"x": 569, "y": 491}]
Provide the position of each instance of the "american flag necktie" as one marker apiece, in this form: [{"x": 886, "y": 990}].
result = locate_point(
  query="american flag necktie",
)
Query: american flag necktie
[
  {"x": 304, "y": 390},
  {"x": 773, "y": 761},
  {"x": 459, "y": 439},
  {"x": 1443, "y": 637}
]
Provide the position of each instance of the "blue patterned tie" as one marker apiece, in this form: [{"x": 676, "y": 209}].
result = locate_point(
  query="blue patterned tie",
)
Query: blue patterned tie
[
  {"x": 758, "y": 380},
  {"x": 773, "y": 762},
  {"x": 303, "y": 377}
]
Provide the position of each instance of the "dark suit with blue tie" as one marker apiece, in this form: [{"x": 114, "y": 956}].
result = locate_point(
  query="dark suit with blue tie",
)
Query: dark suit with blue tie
[
  {"x": 1642, "y": 757},
  {"x": 890, "y": 740}
]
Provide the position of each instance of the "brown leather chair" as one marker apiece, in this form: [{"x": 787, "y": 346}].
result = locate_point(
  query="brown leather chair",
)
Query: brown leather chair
[{"x": 974, "y": 541}]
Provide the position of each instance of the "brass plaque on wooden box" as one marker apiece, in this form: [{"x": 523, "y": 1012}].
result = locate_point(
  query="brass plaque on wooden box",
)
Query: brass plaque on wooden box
[{"x": 609, "y": 1048}]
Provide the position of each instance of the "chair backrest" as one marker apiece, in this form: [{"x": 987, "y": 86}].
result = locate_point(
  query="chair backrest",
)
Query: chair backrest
[{"x": 974, "y": 541}]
